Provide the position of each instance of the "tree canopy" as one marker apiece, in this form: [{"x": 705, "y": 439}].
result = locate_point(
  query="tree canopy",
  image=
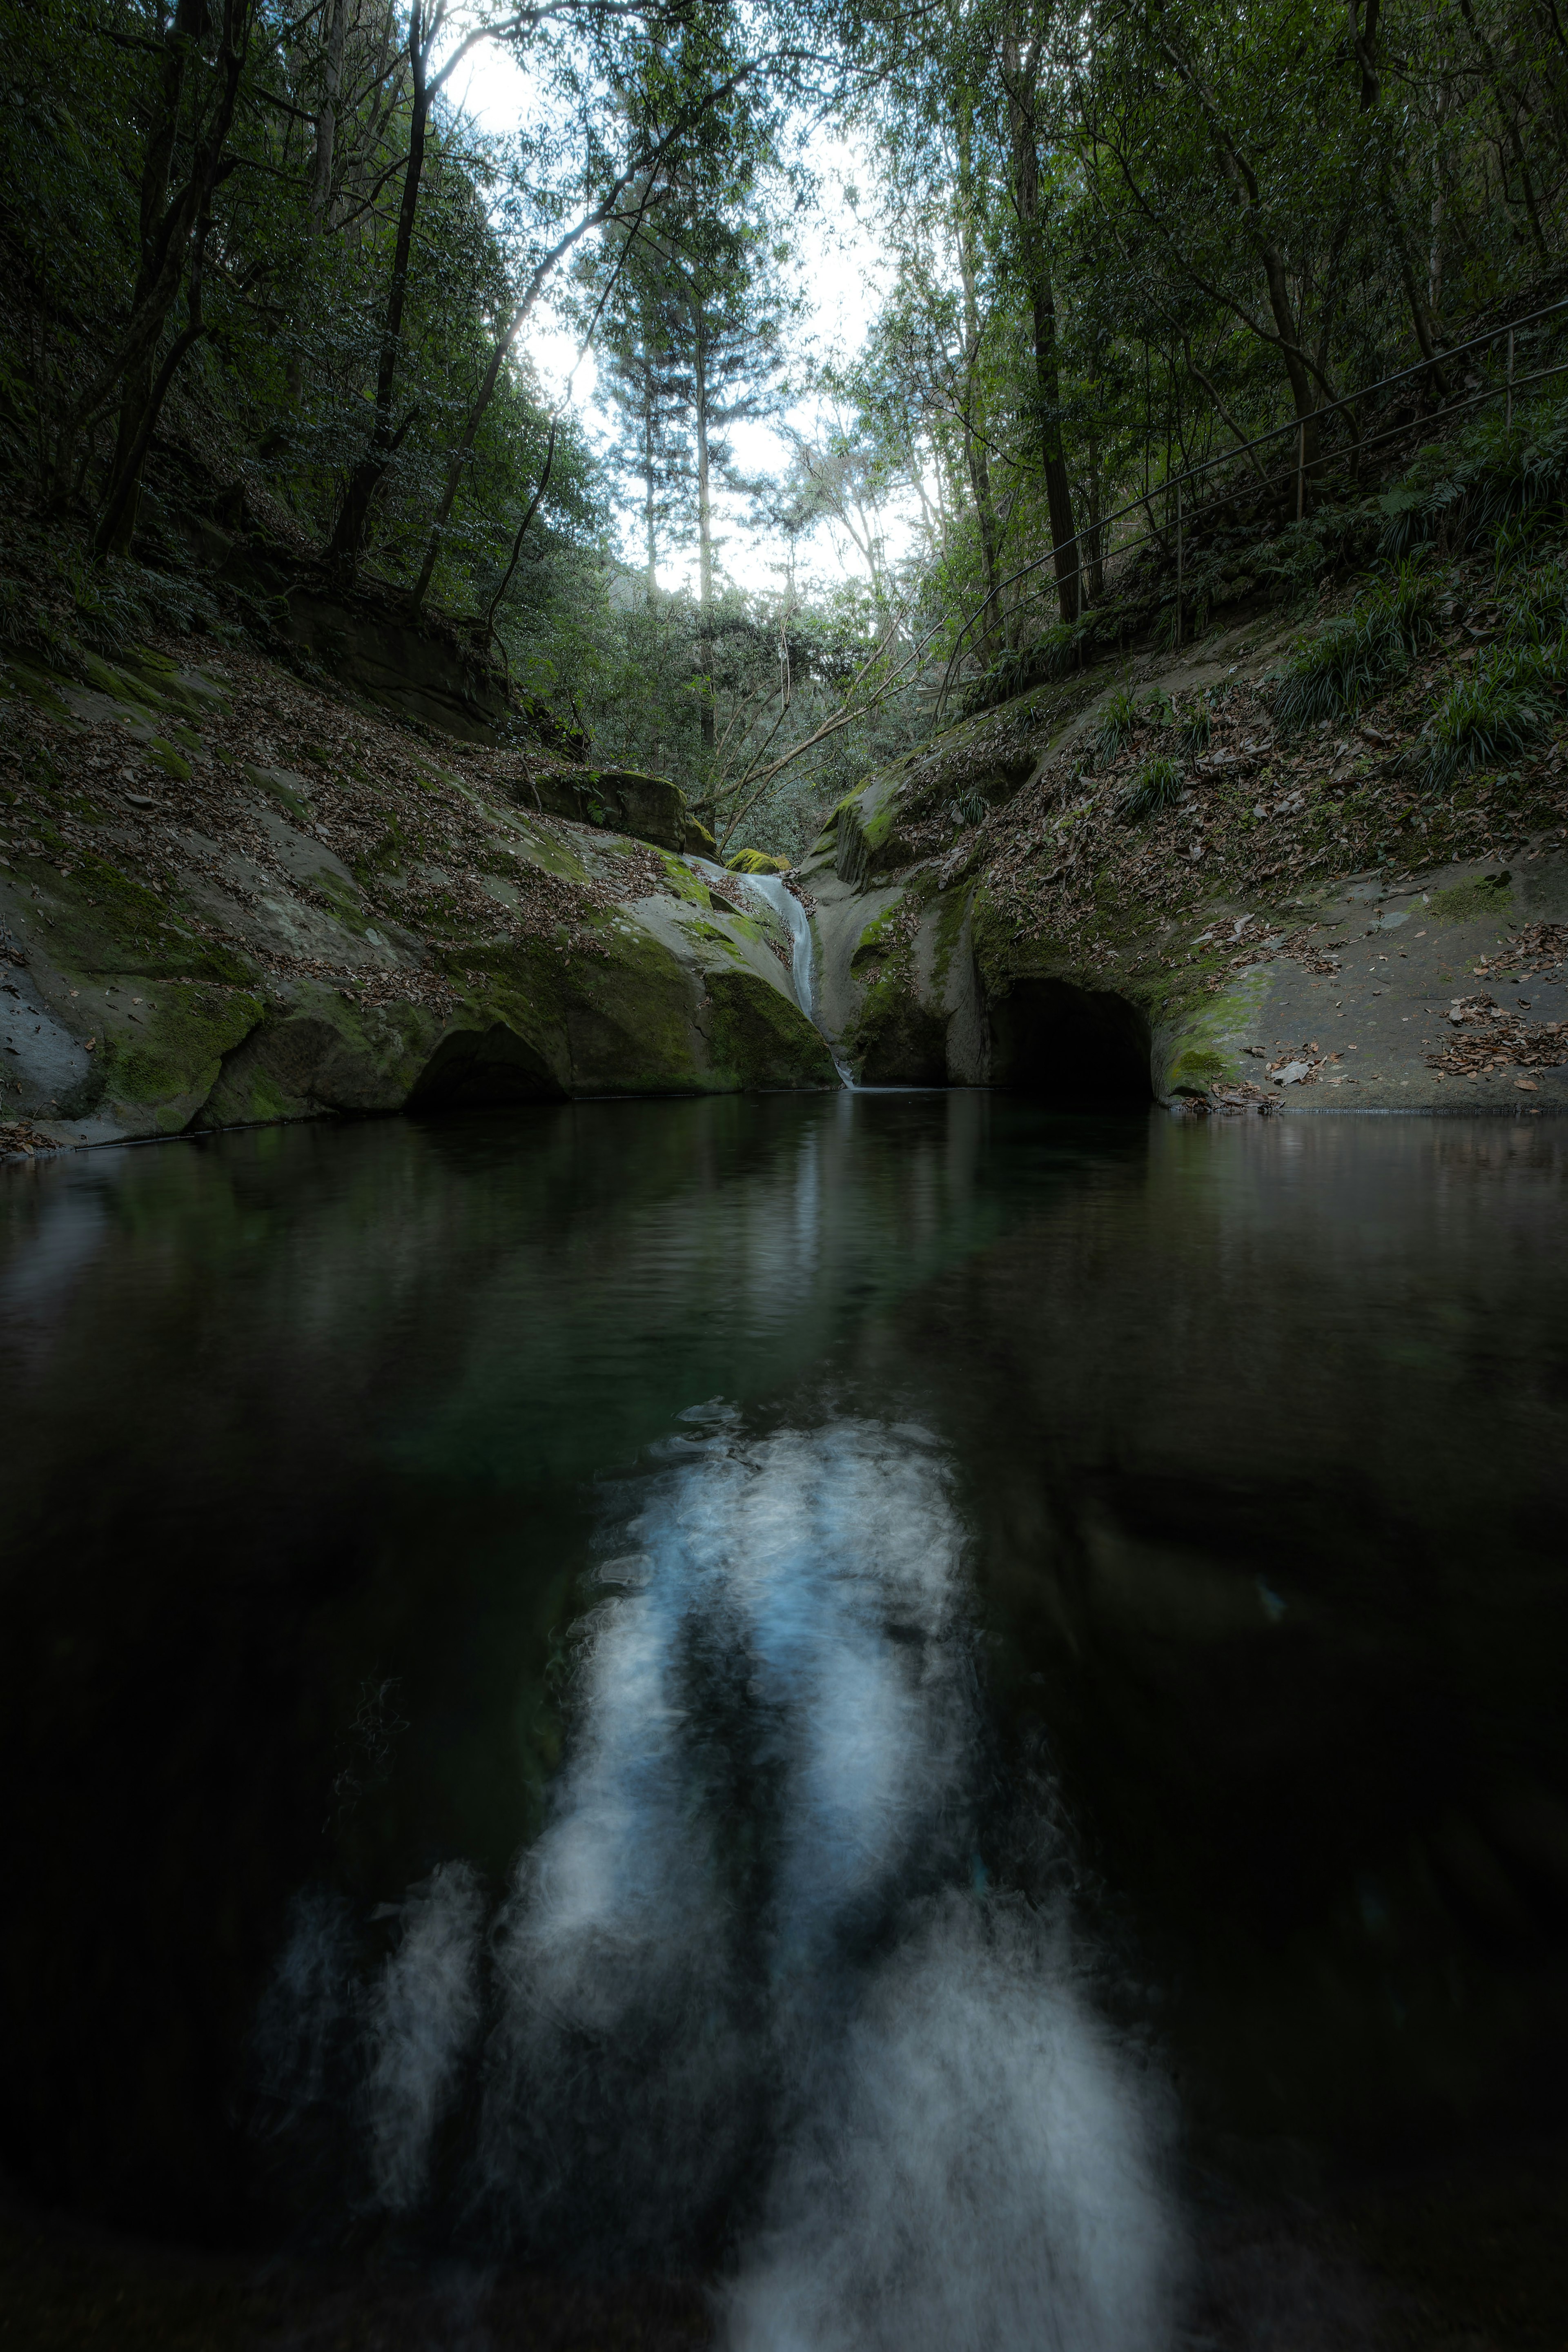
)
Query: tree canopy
[{"x": 267, "y": 278}]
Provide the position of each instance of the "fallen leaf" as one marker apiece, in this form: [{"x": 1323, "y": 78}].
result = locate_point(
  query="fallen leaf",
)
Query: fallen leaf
[{"x": 1526, "y": 1086}]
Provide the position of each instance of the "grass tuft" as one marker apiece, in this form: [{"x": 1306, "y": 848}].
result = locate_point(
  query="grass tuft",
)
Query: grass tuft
[
  {"x": 1157, "y": 785},
  {"x": 1195, "y": 726},
  {"x": 1501, "y": 484},
  {"x": 1493, "y": 715},
  {"x": 1360, "y": 653},
  {"x": 1118, "y": 722}
]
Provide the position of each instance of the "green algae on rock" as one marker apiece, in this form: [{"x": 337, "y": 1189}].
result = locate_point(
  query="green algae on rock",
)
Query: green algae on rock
[{"x": 210, "y": 925}]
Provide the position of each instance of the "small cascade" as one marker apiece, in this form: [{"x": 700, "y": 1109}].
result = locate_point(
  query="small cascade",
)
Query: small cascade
[{"x": 771, "y": 889}]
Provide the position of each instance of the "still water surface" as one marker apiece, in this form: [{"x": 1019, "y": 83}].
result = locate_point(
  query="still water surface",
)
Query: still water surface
[{"x": 860, "y": 1697}]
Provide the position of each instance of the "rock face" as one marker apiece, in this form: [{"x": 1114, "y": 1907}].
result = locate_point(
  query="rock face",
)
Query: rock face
[
  {"x": 193, "y": 939},
  {"x": 1227, "y": 996}
]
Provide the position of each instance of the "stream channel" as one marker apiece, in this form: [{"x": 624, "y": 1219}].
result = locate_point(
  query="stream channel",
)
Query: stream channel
[{"x": 927, "y": 1722}]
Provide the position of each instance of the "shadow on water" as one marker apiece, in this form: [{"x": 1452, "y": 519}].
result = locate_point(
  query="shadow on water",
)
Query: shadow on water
[{"x": 726, "y": 1690}]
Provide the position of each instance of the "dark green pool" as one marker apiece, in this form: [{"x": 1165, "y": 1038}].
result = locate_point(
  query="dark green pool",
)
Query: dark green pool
[{"x": 586, "y": 1682}]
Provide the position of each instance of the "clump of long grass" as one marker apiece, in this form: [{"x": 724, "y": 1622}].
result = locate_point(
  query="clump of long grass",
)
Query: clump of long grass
[
  {"x": 1195, "y": 726},
  {"x": 1157, "y": 785},
  {"x": 1118, "y": 722},
  {"x": 1399, "y": 614},
  {"x": 1494, "y": 714},
  {"x": 1504, "y": 477},
  {"x": 1335, "y": 672},
  {"x": 1357, "y": 656},
  {"x": 1538, "y": 612}
]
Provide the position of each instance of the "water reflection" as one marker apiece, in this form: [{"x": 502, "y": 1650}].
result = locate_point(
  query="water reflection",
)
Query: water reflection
[
  {"x": 749, "y": 1980},
  {"x": 318, "y": 1439}
]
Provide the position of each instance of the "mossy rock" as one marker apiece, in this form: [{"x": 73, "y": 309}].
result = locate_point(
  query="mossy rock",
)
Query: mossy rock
[
  {"x": 897, "y": 1040},
  {"x": 170, "y": 1069},
  {"x": 756, "y": 861},
  {"x": 758, "y": 1040},
  {"x": 1484, "y": 897},
  {"x": 324, "y": 1053}
]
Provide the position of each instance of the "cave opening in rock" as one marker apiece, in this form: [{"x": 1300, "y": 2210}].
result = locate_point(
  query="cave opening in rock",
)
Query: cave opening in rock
[
  {"x": 474, "y": 1067},
  {"x": 1078, "y": 1045}
]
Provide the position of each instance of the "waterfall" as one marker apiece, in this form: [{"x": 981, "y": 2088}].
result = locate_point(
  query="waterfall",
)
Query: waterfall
[
  {"x": 771, "y": 889},
  {"x": 784, "y": 902}
]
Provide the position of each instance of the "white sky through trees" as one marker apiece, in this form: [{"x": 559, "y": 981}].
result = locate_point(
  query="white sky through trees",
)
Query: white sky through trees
[{"x": 837, "y": 269}]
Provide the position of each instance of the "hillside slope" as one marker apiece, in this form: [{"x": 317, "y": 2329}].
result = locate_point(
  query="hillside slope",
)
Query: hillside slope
[
  {"x": 225, "y": 896},
  {"x": 1144, "y": 882}
]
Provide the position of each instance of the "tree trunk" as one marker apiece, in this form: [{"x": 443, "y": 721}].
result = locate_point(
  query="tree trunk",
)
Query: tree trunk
[
  {"x": 704, "y": 536},
  {"x": 354, "y": 516},
  {"x": 977, "y": 463},
  {"x": 649, "y": 476},
  {"x": 1244, "y": 182},
  {"x": 327, "y": 122},
  {"x": 174, "y": 231},
  {"x": 1018, "y": 74},
  {"x": 1093, "y": 547}
]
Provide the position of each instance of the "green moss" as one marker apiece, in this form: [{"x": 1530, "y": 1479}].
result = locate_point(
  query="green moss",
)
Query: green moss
[
  {"x": 344, "y": 900},
  {"x": 1201, "y": 1033},
  {"x": 390, "y": 855},
  {"x": 197, "y": 696},
  {"x": 107, "y": 923},
  {"x": 715, "y": 937},
  {"x": 1485, "y": 897},
  {"x": 175, "y": 1063},
  {"x": 756, "y": 861},
  {"x": 619, "y": 1023},
  {"x": 682, "y": 882},
  {"x": 164, "y": 755},
  {"x": 325, "y": 1052},
  {"x": 953, "y": 907},
  {"x": 1195, "y": 1069},
  {"x": 37, "y": 687},
  {"x": 879, "y": 939},
  {"x": 267, "y": 780},
  {"x": 122, "y": 686},
  {"x": 878, "y": 824},
  {"x": 758, "y": 1039}
]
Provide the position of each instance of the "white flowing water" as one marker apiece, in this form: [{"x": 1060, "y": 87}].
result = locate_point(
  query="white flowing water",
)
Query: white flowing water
[
  {"x": 771, "y": 889},
  {"x": 751, "y": 1983},
  {"x": 787, "y": 905}
]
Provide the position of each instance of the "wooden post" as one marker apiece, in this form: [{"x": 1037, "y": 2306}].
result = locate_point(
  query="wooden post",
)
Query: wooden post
[
  {"x": 1178, "y": 642},
  {"x": 1509, "y": 419}
]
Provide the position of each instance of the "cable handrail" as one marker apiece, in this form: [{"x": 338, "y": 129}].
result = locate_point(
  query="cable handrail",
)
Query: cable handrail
[{"x": 1296, "y": 424}]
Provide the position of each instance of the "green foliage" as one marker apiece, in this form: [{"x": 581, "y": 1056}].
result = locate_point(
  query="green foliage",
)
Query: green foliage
[
  {"x": 1120, "y": 720},
  {"x": 1195, "y": 726},
  {"x": 1500, "y": 482},
  {"x": 1156, "y": 786},
  {"x": 1356, "y": 655},
  {"x": 1493, "y": 715}
]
